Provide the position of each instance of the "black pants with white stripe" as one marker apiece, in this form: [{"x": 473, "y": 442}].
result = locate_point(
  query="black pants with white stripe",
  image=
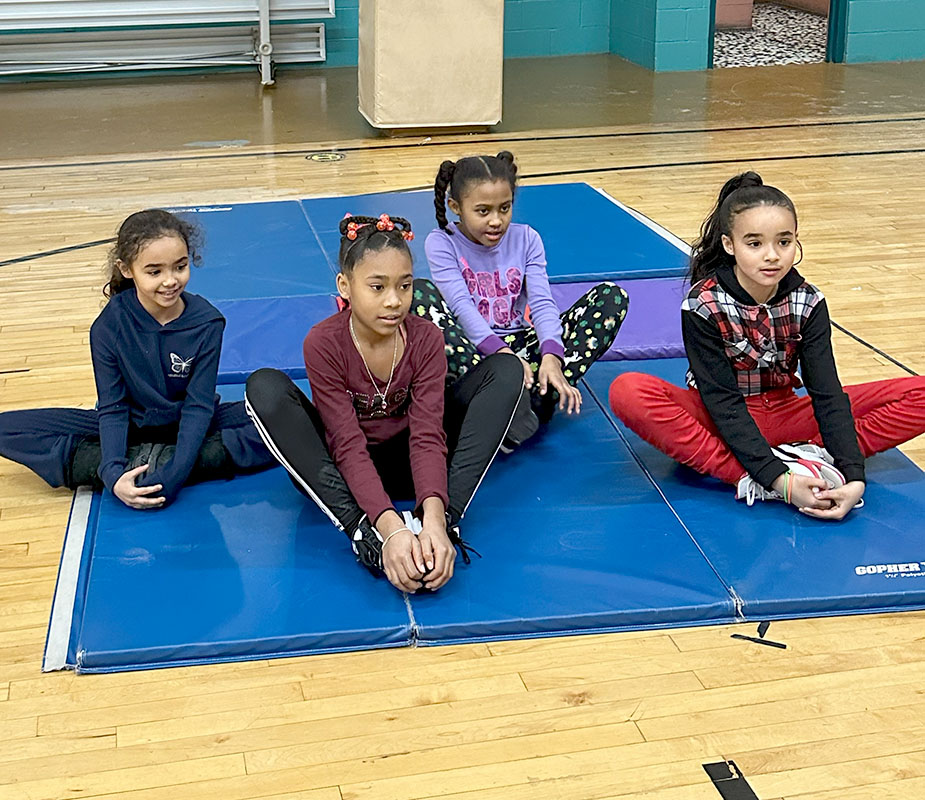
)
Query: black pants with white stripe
[{"x": 477, "y": 413}]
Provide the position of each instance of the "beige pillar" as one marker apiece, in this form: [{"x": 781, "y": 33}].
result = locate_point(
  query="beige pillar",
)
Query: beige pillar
[{"x": 431, "y": 63}]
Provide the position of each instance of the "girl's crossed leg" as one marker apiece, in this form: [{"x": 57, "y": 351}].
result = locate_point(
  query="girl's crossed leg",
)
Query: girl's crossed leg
[
  {"x": 477, "y": 412},
  {"x": 589, "y": 328},
  {"x": 674, "y": 420}
]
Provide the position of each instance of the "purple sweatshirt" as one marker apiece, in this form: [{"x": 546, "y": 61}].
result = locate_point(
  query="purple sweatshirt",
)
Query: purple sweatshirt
[{"x": 488, "y": 288}]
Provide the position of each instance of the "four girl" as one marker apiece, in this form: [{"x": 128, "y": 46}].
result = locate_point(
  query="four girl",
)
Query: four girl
[{"x": 405, "y": 409}]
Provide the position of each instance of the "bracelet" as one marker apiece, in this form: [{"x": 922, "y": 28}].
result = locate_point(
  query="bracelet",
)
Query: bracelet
[
  {"x": 397, "y": 530},
  {"x": 788, "y": 487}
]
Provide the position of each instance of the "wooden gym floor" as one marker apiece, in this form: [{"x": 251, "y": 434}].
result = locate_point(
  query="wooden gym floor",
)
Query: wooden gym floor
[{"x": 839, "y": 715}]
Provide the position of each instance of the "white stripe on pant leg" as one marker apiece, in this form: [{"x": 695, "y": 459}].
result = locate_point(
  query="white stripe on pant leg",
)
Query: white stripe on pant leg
[
  {"x": 491, "y": 460},
  {"x": 275, "y": 452}
]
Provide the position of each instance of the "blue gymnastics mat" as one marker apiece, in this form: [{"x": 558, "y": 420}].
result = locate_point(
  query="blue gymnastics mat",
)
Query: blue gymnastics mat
[
  {"x": 562, "y": 213},
  {"x": 289, "y": 247},
  {"x": 250, "y": 569},
  {"x": 780, "y": 563},
  {"x": 268, "y": 332},
  {"x": 257, "y": 250}
]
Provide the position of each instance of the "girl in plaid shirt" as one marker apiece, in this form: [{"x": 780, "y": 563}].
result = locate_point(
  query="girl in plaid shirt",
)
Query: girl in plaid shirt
[{"x": 750, "y": 322}]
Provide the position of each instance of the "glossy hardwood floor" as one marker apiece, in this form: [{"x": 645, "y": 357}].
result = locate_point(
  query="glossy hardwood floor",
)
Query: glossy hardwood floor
[{"x": 837, "y": 716}]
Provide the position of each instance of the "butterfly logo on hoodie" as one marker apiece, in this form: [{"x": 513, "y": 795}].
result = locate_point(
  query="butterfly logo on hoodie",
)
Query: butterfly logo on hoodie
[{"x": 180, "y": 367}]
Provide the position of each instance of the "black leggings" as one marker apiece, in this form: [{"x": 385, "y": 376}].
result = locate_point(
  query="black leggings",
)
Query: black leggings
[{"x": 477, "y": 413}]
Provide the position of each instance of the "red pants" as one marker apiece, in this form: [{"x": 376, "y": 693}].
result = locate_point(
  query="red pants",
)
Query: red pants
[{"x": 886, "y": 413}]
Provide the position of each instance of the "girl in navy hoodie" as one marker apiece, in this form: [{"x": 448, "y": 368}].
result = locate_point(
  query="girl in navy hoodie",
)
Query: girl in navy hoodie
[{"x": 158, "y": 423}]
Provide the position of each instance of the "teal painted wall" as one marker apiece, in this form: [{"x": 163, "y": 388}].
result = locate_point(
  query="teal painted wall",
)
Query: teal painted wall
[
  {"x": 885, "y": 30},
  {"x": 632, "y": 30},
  {"x": 664, "y": 35},
  {"x": 531, "y": 28},
  {"x": 682, "y": 30}
]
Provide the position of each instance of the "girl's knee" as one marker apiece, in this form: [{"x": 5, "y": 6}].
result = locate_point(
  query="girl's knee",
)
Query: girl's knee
[
  {"x": 506, "y": 368},
  {"x": 265, "y": 388},
  {"x": 629, "y": 389},
  {"x": 425, "y": 287},
  {"x": 610, "y": 295}
]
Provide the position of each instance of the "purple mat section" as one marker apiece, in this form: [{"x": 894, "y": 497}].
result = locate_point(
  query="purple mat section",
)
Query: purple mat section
[{"x": 652, "y": 328}]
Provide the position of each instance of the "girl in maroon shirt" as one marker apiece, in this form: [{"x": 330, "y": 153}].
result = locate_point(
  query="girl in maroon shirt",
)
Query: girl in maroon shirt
[{"x": 381, "y": 425}]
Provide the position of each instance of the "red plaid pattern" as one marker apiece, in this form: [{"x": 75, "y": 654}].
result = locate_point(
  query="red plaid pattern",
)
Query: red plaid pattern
[{"x": 762, "y": 342}]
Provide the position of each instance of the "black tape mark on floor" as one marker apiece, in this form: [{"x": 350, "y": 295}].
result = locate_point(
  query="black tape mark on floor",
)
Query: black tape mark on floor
[
  {"x": 729, "y": 781},
  {"x": 58, "y": 251},
  {"x": 877, "y": 350},
  {"x": 500, "y": 138},
  {"x": 756, "y": 640},
  {"x": 13, "y": 371},
  {"x": 762, "y": 630}
]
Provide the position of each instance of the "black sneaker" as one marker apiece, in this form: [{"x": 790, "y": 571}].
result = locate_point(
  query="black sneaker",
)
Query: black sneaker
[{"x": 367, "y": 544}]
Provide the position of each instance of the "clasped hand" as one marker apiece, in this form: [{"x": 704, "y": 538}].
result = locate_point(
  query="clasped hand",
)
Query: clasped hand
[{"x": 813, "y": 497}]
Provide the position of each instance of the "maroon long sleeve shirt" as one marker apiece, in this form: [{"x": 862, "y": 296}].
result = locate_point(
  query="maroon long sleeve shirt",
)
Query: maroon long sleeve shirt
[{"x": 352, "y": 413}]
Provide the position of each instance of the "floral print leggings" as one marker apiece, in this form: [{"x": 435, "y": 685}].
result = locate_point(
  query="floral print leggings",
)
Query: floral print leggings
[{"x": 588, "y": 329}]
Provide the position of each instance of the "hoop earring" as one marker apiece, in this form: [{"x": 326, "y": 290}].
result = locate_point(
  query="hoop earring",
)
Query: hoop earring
[{"x": 800, "y": 259}]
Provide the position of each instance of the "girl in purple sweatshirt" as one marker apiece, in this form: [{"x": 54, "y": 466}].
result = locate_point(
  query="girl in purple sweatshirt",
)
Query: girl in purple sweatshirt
[{"x": 492, "y": 293}]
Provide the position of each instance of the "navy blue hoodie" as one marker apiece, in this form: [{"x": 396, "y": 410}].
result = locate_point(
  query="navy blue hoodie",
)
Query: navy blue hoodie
[{"x": 148, "y": 374}]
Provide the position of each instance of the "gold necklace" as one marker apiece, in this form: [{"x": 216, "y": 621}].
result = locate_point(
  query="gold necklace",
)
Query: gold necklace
[{"x": 381, "y": 395}]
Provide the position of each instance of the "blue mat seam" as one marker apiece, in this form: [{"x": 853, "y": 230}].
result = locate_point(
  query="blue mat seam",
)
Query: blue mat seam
[
  {"x": 334, "y": 268},
  {"x": 737, "y": 602}
]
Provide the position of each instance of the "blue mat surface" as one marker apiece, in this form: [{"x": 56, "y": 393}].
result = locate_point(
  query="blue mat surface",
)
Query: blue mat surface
[
  {"x": 781, "y": 563},
  {"x": 232, "y": 571},
  {"x": 574, "y": 539},
  {"x": 645, "y": 250},
  {"x": 289, "y": 247},
  {"x": 251, "y": 569},
  {"x": 258, "y": 250},
  {"x": 268, "y": 332}
]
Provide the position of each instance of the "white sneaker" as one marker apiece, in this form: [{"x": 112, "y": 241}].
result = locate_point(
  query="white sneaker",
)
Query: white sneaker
[
  {"x": 809, "y": 448},
  {"x": 749, "y": 490},
  {"x": 801, "y": 459},
  {"x": 810, "y": 459}
]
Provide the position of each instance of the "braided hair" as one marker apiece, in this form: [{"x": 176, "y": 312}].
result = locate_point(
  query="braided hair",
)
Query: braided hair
[
  {"x": 371, "y": 234},
  {"x": 140, "y": 229},
  {"x": 455, "y": 177},
  {"x": 741, "y": 193}
]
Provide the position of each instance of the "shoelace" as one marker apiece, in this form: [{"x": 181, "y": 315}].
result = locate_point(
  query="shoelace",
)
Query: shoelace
[
  {"x": 464, "y": 547},
  {"x": 756, "y": 491}
]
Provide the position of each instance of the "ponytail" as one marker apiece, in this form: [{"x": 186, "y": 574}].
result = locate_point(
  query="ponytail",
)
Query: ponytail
[
  {"x": 454, "y": 178},
  {"x": 441, "y": 184},
  {"x": 738, "y": 194}
]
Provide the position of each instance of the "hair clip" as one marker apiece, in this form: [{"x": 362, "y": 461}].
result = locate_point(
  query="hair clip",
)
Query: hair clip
[
  {"x": 351, "y": 234},
  {"x": 407, "y": 236},
  {"x": 385, "y": 223}
]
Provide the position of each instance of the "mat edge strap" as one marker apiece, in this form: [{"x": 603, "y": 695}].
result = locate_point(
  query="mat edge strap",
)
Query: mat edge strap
[{"x": 65, "y": 604}]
